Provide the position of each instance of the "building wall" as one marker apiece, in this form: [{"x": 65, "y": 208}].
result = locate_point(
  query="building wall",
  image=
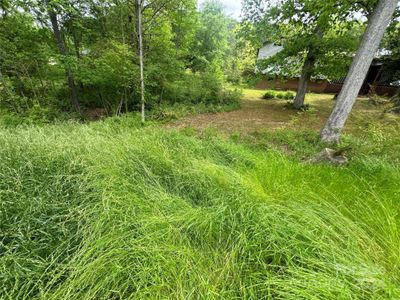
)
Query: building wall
[
  {"x": 291, "y": 84},
  {"x": 316, "y": 86},
  {"x": 386, "y": 90}
]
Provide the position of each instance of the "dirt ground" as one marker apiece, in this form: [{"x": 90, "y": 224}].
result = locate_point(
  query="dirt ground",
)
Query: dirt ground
[{"x": 257, "y": 114}]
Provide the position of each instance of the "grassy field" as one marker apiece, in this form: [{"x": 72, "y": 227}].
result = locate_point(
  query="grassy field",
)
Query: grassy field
[
  {"x": 114, "y": 210},
  {"x": 258, "y": 114}
]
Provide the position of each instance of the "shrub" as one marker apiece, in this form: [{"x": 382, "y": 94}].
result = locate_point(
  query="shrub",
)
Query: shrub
[
  {"x": 269, "y": 95},
  {"x": 289, "y": 95},
  {"x": 200, "y": 88},
  {"x": 281, "y": 95},
  {"x": 290, "y": 105},
  {"x": 229, "y": 100},
  {"x": 230, "y": 96},
  {"x": 8, "y": 119}
]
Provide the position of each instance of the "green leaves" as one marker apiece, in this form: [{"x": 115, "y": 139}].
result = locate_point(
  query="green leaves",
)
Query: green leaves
[
  {"x": 49, "y": 47},
  {"x": 324, "y": 28}
]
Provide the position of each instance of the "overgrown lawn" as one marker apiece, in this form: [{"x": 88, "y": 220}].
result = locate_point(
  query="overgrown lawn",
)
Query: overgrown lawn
[{"x": 111, "y": 210}]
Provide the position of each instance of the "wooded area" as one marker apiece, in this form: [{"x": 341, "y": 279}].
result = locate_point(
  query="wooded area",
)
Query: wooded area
[{"x": 92, "y": 53}]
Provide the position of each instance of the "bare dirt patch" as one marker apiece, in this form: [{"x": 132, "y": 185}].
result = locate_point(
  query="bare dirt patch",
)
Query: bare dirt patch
[
  {"x": 257, "y": 114},
  {"x": 253, "y": 115}
]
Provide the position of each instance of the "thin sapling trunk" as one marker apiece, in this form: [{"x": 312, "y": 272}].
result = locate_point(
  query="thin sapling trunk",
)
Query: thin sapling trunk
[{"x": 140, "y": 52}]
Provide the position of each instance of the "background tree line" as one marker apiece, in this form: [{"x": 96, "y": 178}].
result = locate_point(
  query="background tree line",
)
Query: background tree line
[{"x": 68, "y": 55}]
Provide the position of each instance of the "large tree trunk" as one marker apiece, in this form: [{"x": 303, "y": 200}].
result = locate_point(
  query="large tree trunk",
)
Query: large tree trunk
[
  {"x": 355, "y": 78},
  {"x": 302, "y": 87},
  {"x": 64, "y": 53},
  {"x": 140, "y": 52}
]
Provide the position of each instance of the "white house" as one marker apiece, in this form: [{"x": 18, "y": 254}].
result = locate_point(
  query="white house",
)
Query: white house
[{"x": 268, "y": 50}]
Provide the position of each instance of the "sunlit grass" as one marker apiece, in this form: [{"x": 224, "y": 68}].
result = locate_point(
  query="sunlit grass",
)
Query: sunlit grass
[{"x": 115, "y": 211}]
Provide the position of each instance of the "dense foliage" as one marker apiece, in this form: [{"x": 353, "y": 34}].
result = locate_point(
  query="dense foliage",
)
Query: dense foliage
[
  {"x": 272, "y": 94},
  {"x": 86, "y": 51},
  {"x": 324, "y": 32}
]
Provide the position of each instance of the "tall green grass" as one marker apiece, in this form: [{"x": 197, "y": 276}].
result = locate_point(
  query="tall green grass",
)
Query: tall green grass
[{"x": 114, "y": 211}]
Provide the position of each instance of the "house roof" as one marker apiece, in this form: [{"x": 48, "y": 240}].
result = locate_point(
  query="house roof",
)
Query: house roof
[{"x": 268, "y": 50}]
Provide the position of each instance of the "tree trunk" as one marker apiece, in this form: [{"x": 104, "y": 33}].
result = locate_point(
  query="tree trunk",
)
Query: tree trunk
[
  {"x": 355, "y": 78},
  {"x": 308, "y": 67},
  {"x": 77, "y": 46},
  {"x": 140, "y": 52},
  {"x": 302, "y": 87},
  {"x": 64, "y": 53}
]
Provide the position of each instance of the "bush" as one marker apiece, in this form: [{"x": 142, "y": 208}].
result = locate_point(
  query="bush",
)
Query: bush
[
  {"x": 281, "y": 95},
  {"x": 229, "y": 101},
  {"x": 290, "y": 105},
  {"x": 230, "y": 96},
  {"x": 200, "y": 88},
  {"x": 289, "y": 95},
  {"x": 8, "y": 119},
  {"x": 271, "y": 94}
]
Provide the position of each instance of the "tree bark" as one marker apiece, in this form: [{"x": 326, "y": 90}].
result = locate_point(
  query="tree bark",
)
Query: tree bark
[
  {"x": 373, "y": 35},
  {"x": 306, "y": 73},
  {"x": 139, "y": 7},
  {"x": 63, "y": 51},
  {"x": 302, "y": 87}
]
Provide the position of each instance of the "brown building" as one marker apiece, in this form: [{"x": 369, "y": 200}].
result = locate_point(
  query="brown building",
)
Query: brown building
[{"x": 378, "y": 79}]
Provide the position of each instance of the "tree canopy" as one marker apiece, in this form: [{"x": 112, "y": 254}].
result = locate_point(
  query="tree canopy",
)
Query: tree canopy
[{"x": 86, "y": 51}]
